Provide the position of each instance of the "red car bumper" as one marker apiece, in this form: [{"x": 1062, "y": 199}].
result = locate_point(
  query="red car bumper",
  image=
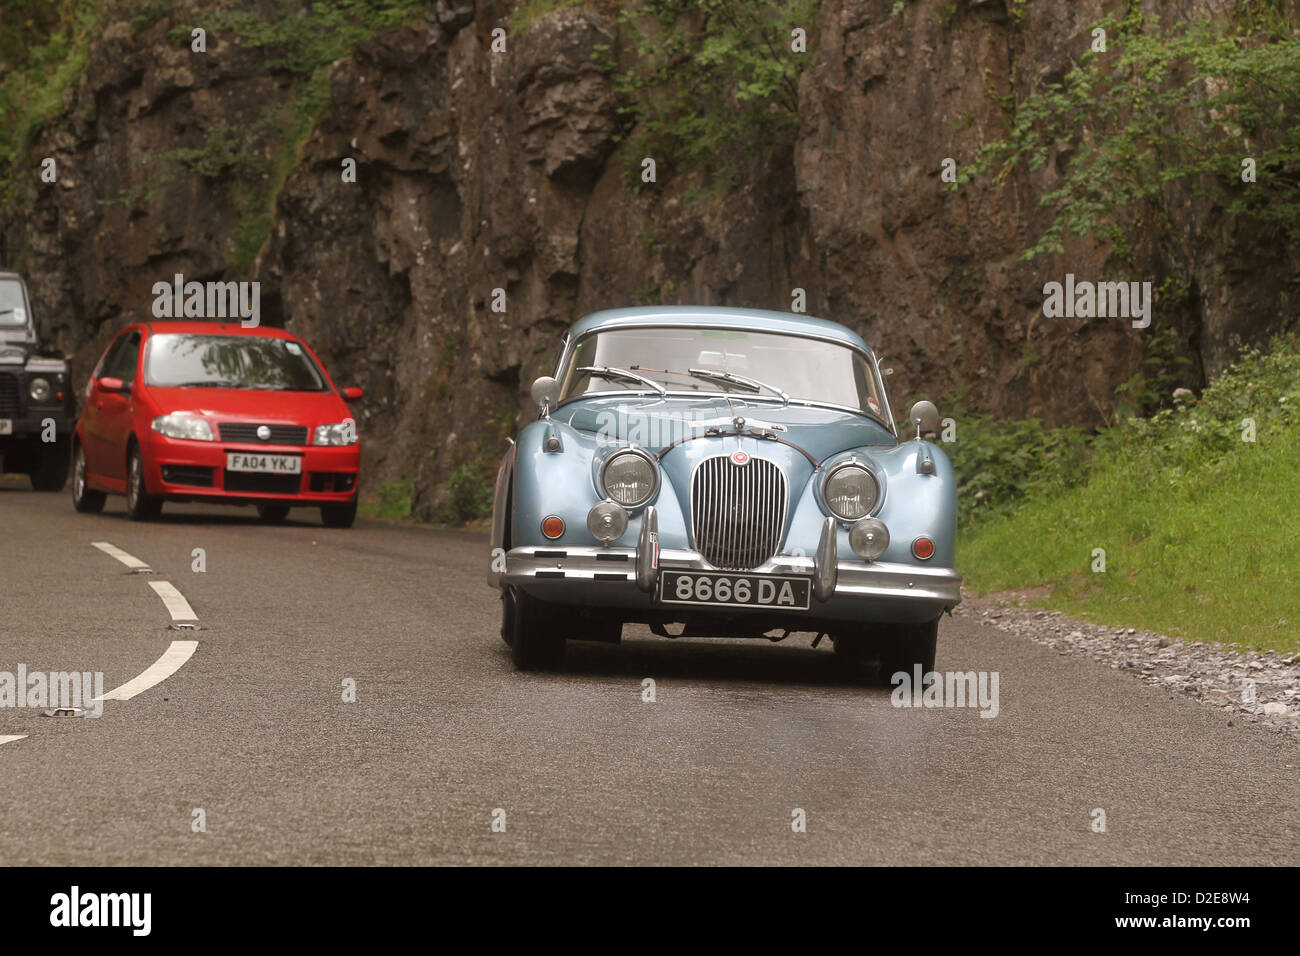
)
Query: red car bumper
[{"x": 177, "y": 469}]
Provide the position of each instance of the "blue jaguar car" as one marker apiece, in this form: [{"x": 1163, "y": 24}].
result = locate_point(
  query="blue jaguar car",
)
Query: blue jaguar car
[{"x": 722, "y": 472}]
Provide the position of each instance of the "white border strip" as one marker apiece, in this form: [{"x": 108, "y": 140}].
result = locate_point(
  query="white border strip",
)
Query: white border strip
[
  {"x": 10, "y": 738},
  {"x": 113, "y": 551},
  {"x": 177, "y": 606},
  {"x": 172, "y": 660}
]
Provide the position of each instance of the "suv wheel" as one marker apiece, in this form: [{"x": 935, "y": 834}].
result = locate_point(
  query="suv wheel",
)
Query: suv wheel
[{"x": 50, "y": 470}]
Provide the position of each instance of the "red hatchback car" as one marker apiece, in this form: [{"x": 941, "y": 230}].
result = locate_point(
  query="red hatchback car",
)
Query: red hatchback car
[{"x": 205, "y": 411}]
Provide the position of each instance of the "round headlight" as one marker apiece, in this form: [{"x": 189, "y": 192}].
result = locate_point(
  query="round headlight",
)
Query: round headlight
[
  {"x": 39, "y": 390},
  {"x": 629, "y": 478},
  {"x": 850, "y": 491}
]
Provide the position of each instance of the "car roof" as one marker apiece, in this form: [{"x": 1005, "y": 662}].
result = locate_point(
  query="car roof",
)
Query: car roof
[
  {"x": 761, "y": 320},
  {"x": 214, "y": 327}
]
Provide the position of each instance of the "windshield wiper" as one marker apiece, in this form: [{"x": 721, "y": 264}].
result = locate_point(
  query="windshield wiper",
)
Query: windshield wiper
[
  {"x": 605, "y": 371},
  {"x": 730, "y": 377}
]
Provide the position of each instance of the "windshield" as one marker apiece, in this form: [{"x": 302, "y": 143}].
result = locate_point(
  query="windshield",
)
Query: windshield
[
  {"x": 732, "y": 361},
  {"x": 13, "y": 310},
  {"x": 231, "y": 361}
]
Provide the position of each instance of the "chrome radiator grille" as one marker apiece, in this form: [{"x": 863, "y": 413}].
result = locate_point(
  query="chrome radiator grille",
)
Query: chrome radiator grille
[{"x": 737, "y": 511}]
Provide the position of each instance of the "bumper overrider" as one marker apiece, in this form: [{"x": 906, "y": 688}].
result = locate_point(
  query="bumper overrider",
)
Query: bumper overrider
[{"x": 627, "y": 577}]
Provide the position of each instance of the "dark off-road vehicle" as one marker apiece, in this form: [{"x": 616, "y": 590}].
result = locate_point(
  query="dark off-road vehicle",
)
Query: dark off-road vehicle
[{"x": 37, "y": 407}]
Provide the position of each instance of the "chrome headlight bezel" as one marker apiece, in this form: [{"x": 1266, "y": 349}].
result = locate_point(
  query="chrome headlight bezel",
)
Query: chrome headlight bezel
[
  {"x": 336, "y": 434},
  {"x": 649, "y": 463},
  {"x": 39, "y": 384},
  {"x": 182, "y": 425},
  {"x": 840, "y": 470}
]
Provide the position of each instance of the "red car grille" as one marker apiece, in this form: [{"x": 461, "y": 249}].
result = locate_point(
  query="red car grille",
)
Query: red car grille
[{"x": 280, "y": 434}]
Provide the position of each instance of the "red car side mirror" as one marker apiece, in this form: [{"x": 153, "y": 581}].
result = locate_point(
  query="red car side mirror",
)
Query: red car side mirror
[
  {"x": 352, "y": 393},
  {"x": 110, "y": 384}
]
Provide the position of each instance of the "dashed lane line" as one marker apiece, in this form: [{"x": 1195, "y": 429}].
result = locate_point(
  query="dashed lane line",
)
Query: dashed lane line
[
  {"x": 10, "y": 738},
  {"x": 172, "y": 660},
  {"x": 113, "y": 551},
  {"x": 177, "y": 606}
]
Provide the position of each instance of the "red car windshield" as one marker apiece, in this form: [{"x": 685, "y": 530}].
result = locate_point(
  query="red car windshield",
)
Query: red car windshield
[{"x": 230, "y": 361}]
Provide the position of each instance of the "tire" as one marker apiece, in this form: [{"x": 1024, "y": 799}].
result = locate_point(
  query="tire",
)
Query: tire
[
  {"x": 83, "y": 498},
  {"x": 536, "y": 642},
  {"x": 882, "y": 650},
  {"x": 273, "y": 514},
  {"x": 140, "y": 505},
  {"x": 50, "y": 471},
  {"x": 339, "y": 516},
  {"x": 907, "y": 645}
]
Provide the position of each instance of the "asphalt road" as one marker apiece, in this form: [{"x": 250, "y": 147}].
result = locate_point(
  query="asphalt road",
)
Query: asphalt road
[{"x": 253, "y": 729}]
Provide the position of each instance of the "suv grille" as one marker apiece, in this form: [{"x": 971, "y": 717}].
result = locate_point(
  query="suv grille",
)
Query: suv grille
[
  {"x": 737, "y": 511},
  {"x": 280, "y": 434},
  {"x": 10, "y": 396}
]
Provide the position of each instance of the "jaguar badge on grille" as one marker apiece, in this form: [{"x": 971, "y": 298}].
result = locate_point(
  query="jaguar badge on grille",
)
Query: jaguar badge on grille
[
  {"x": 263, "y": 432},
  {"x": 740, "y": 457}
]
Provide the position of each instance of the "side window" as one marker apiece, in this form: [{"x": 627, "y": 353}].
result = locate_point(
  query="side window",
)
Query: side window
[{"x": 121, "y": 363}]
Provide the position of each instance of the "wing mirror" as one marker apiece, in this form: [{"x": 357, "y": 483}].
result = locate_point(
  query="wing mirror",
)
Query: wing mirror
[
  {"x": 925, "y": 417},
  {"x": 545, "y": 390},
  {"x": 110, "y": 384},
  {"x": 352, "y": 394}
]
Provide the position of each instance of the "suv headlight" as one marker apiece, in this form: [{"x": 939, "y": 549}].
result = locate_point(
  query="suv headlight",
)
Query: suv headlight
[
  {"x": 180, "y": 425},
  {"x": 850, "y": 491},
  {"x": 339, "y": 433},
  {"x": 39, "y": 390},
  {"x": 629, "y": 478}
]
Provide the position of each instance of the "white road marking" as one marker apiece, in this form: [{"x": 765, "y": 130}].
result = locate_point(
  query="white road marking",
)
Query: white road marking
[
  {"x": 113, "y": 551},
  {"x": 177, "y": 606},
  {"x": 10, "y": 738},
  {"x": 157, "y": 672}
]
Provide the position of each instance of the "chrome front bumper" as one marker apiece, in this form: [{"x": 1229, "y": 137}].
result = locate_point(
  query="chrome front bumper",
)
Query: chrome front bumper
[{"x": 637, "y": 569}]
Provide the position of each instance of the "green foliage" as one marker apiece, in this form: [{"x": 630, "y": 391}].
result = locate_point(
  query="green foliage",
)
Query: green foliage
[
  {"x": 469, "y": 492},
  {"x": 391, "y": 500},
  {"x": 43, "y": 52},
  {"x": 1164, "y": 368},
  {"x": 712, "y": 81},
  {"x": 525, "y": 14},
  {"x": 1164, "y": 116},
  {"x": 1200, "y": 527},
  {"x": 998, "y": 462}
]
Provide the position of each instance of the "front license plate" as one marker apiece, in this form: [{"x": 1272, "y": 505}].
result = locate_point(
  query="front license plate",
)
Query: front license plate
[
  {"x": 266, "y": 464},
  {"x": 734, "y": 590},
  {"x": 6, "y": 426}
]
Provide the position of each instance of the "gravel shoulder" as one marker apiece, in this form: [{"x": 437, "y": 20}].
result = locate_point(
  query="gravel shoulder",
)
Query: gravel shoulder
[{"x": 1260, "y": 688}]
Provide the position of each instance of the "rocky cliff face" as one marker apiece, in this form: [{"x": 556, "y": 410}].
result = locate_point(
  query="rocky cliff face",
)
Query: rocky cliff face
[{"x": 481, "y": 170}]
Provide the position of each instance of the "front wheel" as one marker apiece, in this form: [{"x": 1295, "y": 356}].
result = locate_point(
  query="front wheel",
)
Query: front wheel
[
  {"x": 50, "y": 471},
  {"x": 83, "y": 498},
  {"x": 273, "y": 514},
  {"x": 339, "y": 516},
  {"x": 883, "y": 650},
  {"x": 536, "y": 640},
  {"x": 140, "y": 505}
]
